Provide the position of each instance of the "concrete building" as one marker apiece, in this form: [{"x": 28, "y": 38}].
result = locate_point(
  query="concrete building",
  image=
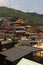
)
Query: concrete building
[{"x": 6, "y": 44}]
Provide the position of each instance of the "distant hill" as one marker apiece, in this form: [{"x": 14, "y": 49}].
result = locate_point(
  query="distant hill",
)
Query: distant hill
[{"x": 32, "y": 17}]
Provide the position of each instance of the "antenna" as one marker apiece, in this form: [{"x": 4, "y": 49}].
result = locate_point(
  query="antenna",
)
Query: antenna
[
  {"x": 9, "y": 5},
  {"x": 27, "y": 10}
]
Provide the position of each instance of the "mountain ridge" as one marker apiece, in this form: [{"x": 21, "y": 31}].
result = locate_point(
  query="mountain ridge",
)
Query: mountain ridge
[{"x": 32, "y": 17}]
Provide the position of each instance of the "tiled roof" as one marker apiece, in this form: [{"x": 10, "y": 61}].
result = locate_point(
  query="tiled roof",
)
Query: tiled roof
[{"x": 40, "y": 28}]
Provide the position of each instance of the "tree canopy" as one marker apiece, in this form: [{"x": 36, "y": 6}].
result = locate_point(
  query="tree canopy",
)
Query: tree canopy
[{"x": 14, "y": 14}]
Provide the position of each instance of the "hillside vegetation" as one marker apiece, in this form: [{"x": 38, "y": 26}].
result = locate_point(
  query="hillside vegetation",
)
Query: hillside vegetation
[{"x": 14, "y": 14}]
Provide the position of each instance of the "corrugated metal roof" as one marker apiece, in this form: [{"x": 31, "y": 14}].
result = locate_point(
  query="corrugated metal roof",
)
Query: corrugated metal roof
[{"x": 18, "y": 52}]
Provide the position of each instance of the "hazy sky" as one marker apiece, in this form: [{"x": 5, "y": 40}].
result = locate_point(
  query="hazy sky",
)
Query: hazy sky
[{"x": 24, "y": 5}]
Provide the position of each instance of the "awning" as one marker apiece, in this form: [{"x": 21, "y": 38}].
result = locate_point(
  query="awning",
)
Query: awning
[{"x": 24, "y": 61}]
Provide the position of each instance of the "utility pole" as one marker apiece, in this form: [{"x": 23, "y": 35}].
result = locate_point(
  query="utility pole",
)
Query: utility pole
[{"x": 9, "y": 4}]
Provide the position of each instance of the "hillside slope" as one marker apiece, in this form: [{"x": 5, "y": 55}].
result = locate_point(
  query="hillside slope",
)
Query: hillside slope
[{"x": 32, "y": 17}]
